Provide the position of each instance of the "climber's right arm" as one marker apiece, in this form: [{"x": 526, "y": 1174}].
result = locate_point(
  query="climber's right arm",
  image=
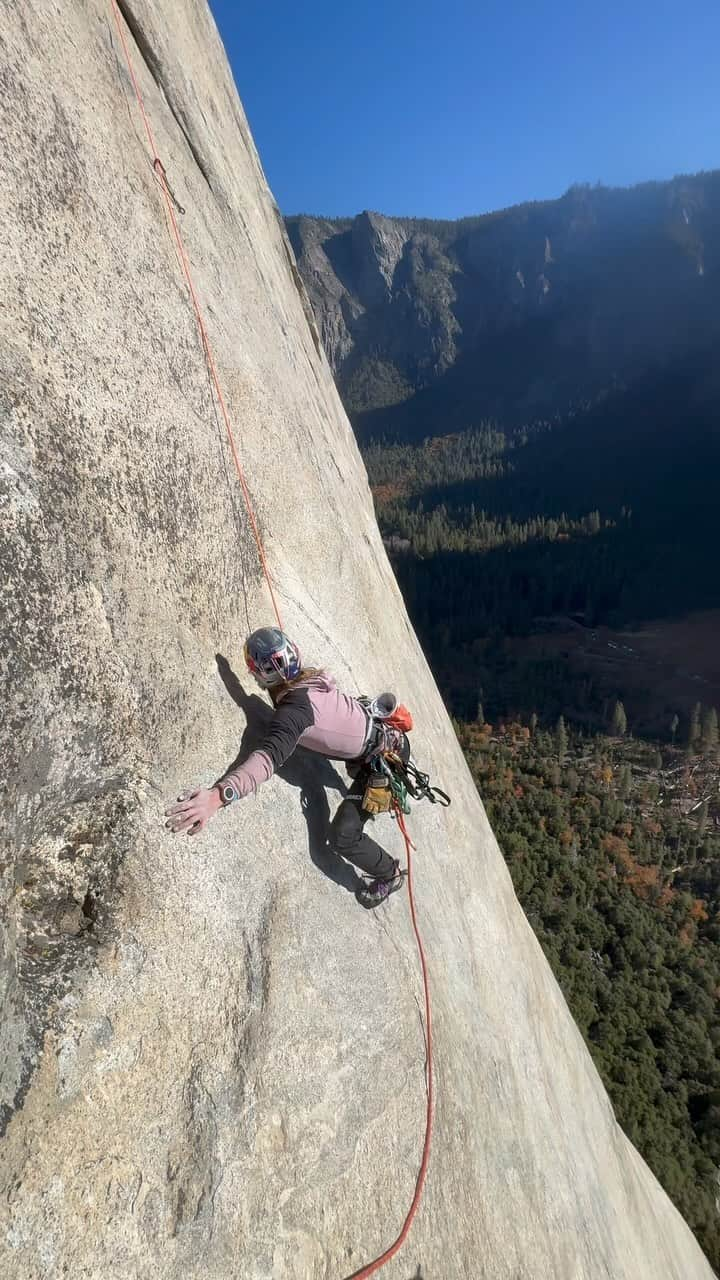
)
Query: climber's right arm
[{"x": 291, "y": 718}]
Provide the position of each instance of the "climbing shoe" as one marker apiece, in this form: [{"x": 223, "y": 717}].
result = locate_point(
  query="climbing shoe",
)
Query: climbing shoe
[{"x": 373, "y": 892}]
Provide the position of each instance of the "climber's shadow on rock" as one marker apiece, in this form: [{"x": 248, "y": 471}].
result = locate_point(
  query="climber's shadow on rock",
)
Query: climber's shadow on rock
[{"x": 311, "y": 773}]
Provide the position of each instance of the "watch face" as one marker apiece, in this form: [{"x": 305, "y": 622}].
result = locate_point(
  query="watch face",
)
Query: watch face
[{"x": 228, "y": 794}]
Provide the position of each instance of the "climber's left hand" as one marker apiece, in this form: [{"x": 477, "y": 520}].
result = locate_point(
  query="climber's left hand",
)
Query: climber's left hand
[{"x": 193, "y": 812}]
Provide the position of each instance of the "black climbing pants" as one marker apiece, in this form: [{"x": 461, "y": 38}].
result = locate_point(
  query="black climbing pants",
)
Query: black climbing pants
[{"x": 348, "y": 838}]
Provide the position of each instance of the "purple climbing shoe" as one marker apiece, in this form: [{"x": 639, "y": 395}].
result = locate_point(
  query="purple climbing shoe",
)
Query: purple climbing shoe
[{"x": 373, "y": 892}]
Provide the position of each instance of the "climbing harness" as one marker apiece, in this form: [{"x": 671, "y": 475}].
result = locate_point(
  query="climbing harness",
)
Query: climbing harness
[{"x": 414, "y": 782}]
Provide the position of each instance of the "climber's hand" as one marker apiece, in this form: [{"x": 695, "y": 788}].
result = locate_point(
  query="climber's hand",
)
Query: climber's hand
[{"x": 193, "y": 812}]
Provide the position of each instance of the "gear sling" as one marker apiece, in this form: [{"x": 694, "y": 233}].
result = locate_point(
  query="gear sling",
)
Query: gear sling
[{"x": 393, "y": 776}]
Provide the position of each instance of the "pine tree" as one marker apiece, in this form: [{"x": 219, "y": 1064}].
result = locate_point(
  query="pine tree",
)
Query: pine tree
[
  {"x": 691, "y": 856},
  {"x": 561, "y": 739},
  {"x": 619, "y": 721},
  {"x": 480, "y": 714},
  {"x": 674, "y": 724},
  {"x": 710, "y": 730},
  {"x": 533, "y": 722},
  {"x": 694, "y": 730}
]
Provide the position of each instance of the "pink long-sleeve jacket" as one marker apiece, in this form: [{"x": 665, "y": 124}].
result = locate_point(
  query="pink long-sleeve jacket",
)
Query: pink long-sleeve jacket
[{"x": 313, "y": 714}]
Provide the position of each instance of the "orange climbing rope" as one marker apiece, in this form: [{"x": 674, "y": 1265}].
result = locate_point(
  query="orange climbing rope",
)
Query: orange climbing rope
[
  {"x": 160, "y": 171},
  {"x": 394, "y": 1248},
  {"x": 159, "y": 168}
]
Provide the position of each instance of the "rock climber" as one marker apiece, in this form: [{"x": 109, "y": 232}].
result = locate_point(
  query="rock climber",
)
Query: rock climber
[{"x": 311, "y": 711}]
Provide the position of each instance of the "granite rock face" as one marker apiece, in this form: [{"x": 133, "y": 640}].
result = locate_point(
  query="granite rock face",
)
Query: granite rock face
[{"x": 211, "y": 1058}]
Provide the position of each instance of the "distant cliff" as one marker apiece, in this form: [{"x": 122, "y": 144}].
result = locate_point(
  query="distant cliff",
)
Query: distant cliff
[{"x": 433, "y": 325}]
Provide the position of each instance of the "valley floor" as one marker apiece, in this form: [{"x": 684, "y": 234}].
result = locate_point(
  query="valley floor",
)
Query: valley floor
[{"x": 659, "y": 670}]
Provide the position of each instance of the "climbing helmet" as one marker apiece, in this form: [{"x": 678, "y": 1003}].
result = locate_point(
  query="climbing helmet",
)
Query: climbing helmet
[{"x": 272, "y": 658}]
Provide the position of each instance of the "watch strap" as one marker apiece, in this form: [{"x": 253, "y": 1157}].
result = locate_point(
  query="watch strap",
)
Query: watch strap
[{"x": 227, "y": 793}]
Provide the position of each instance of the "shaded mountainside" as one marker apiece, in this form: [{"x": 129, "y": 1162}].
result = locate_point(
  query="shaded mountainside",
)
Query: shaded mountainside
[
  {"x": 608, "y": 517},
  {"x": 432, "y": 326},
  {"x": 211, "y": 1063},
  {"x": 559, "y": 362}
]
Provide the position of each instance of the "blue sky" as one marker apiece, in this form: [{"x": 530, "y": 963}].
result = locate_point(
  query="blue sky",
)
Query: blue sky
[{"x": 454, "y": 108}]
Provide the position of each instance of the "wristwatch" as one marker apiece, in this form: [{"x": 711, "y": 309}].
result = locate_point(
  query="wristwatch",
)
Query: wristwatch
[{"x": 227, "y": 793}]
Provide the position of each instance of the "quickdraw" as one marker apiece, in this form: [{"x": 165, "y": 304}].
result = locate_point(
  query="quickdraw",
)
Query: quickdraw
[
  {"x": 407, "y": 780},
  {"x": 418, "y": 785},
  {"x": 398, "y": 789}
]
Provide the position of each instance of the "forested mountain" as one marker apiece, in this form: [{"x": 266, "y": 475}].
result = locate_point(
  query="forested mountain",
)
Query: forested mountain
[{"x": 432, "y": 326}]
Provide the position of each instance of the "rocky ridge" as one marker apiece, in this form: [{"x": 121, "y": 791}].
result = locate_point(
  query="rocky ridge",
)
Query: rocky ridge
[{"x": 433, "y": 325}]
